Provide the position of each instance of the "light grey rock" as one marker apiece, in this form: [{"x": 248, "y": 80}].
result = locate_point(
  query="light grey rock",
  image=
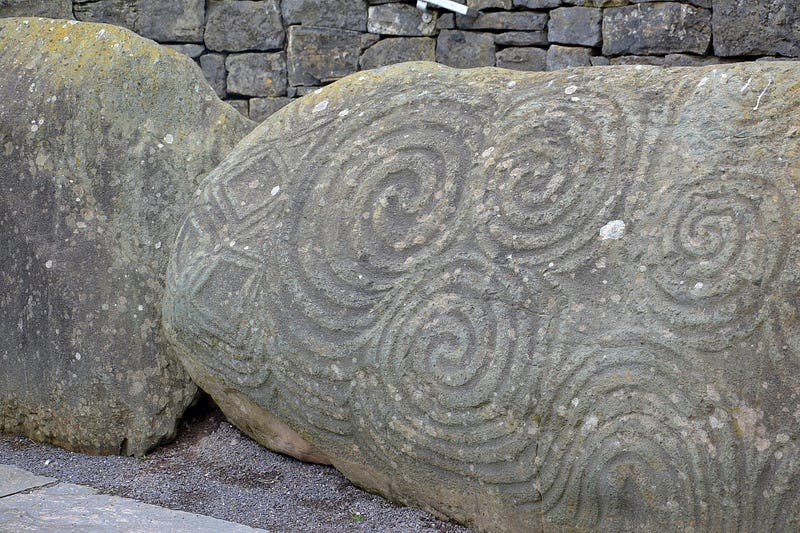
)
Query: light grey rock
[
  {"x": 241, "y": 25},
  {"x": 445, "y": 21},
  {"x": 319, "y": 55},
  {"x": 104, "y": 137},
  {"x": 261, "y": 108},
  {"x": 400, "y": 19},
  {"x": 653, "y": 29},
  {"x": 564, "y": 301},
  {"x": 173, "y": 21},
  {"x": 503, "y": 20},
  {"x": 464, "y": 49},
  {"x": 600, "y": 61},
  {"x": 698, "y": 3},
  {"x": 341, "y": 14},
  {"x": 597, "y": 3},
  {"x": 241, "y": 105},
  {"x": 530, "y": 59},
  {"x": 576, "y": 25},
  {"x": 568, "y": 56},
  {"x": 398, "y": 49},
  {"x": 118, "y": 12},
  {"x": 213, "y": 66},
  {"x": 56, "y": 9},
  {"x": 256, "y": 74},
  {"x": 756, "y": 27},
  {"x": 489, "y": 4},
  {"x": 191, "y": 50},
  {"x": 537, "y": 4},
  {"x": 521, "y": 38},
  {"x": 14, "y": 480}
]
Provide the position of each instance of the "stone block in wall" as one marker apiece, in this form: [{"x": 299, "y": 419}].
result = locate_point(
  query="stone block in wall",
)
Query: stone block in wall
[
  {"x": 756, "y": 27},
  {"x": 521, "y": 38},
  {"x": 117, "y": 12},
  {"x": 54, "y": 9},
  {"x": 319, "y": 55},
  {"x": 654, "y": 29},
  {"x": 398, "y": 49},
  {"x": 489, "y": 4},
  {"x": 241, "y": 25},
  {"x": 192, "y": 50},
  {"x": 445, "y": 21},
  {"x": 600, "y": 61},
  {"x": 173, "y": 21},
  {"x": 530, "y": 59},
  {"x": 242, "y": 106},
  {"x": 503, "y": 20},
  {"x": 400, "y": 19},
  {"x": 698, "y": 3},
  {"x": 559, "y": 57},
  {"x": 213, "y": 66},
  {"x": 576, "y": 25},
  {"x": 537, "y": 4},
  {"x": 342, "y": 14},
  {"x": 254, "y": 74},
  {"x": 597, "y": 3},
  {"x": 261, "y": 108},
  {"x": 463, "y": 49}
]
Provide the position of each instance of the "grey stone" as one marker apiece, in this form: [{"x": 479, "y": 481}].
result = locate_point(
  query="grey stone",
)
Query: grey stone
[
  {"x": 445, "y": 21},
  {"x": 698, "y": 3},
  {"x": 118, "y": 12},
  {"x": 303, "y": 91},
  {"x": 537, "y": 4},
  {"x": 261, "y": 108},
  {"x": 55, "y": 9},
  {"x": 104, "y": 138},
  {"x": 398, "y": 49},
  {"x": 600, "y": 61},
  {"x": 521, "y": 38},
  {"x": 14, "y": 480},
  {"x": 240, "y": 25},
  {"x": 530, "y": 59},
  {"x": 213, "y": 66},
  {"x": 319, "y": 55},
  {"x": 489, "y": 4},
  {"x": 688, "y": 60},
  {"x": 399, "y": 19},
  {"x": 173, "y": 21},
  {"x": 547, "y": 302},
  {"x": 191, "y": 50},
  {"x": 637, "y": 60},
  {"x": 463, "y": 49},
  {"x": 503, "y": 20},
  {"x": 756, "y": 27},
  {"x": 342, "y": 14},
  {"x": 597, "y": 3},
  {"x": 242, "y": 106},
  {"x": 575, "y": 25},
  {"x": 256, "y": 74},
  {"x": 660, "y": 28},
  {"x": 568, "y": 56}
]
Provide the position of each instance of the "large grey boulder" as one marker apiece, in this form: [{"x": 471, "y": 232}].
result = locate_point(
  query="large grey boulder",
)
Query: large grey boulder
[
  {"x": 560, "y": 301},
  {"x": 104, "y": 137}
]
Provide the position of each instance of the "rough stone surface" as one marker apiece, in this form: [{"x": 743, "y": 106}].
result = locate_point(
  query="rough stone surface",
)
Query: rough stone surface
[
  {"x": 503, "y": 20},
  {"x": 396, "y": 50},
  {"x": 575, "y": 25},
  {"x": 57, "y": 9},
  {"x": 489, "y": 4},
  {"x": 537, "y": 4},
  {"x": 597, "y": 3},
  {"x": 261, "y": 108},
  {"x": 563, "y": 301},
  {"x": 256, "y": 74},
  {"x": 239, "y": 25},
  {"x": 399, "y": 19},
  {"x": 192, "y": 50},
  {"x": 118, "y": 12},
  {"x": 319, "y": 55},
  {"x": 521, "y": 38},
  {"x": 213, "y": 66},
  {"x": 462, "y": 49},
  {"x": 173, "y": 21},
  {"x": 530, "y": 59},
  {"x": 568, "y": 56},
  {"x": 756, "y": 27},
  {"x": 640, "y": 29},
  {"x": 104, "y": 137},
  {"x": 342, "y": 14}
]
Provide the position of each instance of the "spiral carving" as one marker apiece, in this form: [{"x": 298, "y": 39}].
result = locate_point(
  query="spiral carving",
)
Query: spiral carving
[
  {"x": 451, "y": 382},
  {"x": 630, "y": 442},
  {"x": 712, "y": 248}
]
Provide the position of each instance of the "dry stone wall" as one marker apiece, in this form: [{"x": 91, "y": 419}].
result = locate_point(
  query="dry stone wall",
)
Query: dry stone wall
[{"x": 258, "y": 55}]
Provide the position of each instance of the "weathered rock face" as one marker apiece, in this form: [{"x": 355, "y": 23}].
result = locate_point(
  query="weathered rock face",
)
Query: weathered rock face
[
  {"x": 104, "y": 136},
  {"x": 529, "y": 302}
]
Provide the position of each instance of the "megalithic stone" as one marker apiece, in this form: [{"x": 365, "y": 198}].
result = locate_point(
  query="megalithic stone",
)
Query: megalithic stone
[
  {"x": 559, "y": 301},
  {"x": 104, "y": 137}
]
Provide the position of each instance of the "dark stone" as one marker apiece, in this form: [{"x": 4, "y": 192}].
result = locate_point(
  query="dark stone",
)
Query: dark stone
[
  {"x": 341, "y": 14},
  {"x": 191, "y": 50},
  {"x": 445, "y": 21},
  {"x": 489, "y": 4},
  {"x": 575, "y": 25},
  {"x": 463, "y": 49},
  {"x": 54, "y": 9},
  {"x": 241, "y": 25},
  {"x": 104, "y": 137},
  {"x": 240, "y": 105},
  {"x": 652, "y": 29},
  {"x": 400, "y": 19},
  {"x": 597, "y": 3},
  {"x": 521, "y": 38},
  {"x": 537, "y": 4},
  {"x": 213, "y": 66},
  {"x": 398, "y": 49},
  {"x": 319, "y": 55},
  {"x": 173, "y": 21},
  {"x": 261, "y": 108},
  {"x": 756, "y": 27},
  {"x": 559, "y": 57},
  {"x": 530, "y": 59},
  {"x": 256, "y": 74},
  {"x": 600, "y": 61},
  {"x": 118, "y": 12},
  {"x": 503, "y": 20},
  {"x": 698, "y": 3}
]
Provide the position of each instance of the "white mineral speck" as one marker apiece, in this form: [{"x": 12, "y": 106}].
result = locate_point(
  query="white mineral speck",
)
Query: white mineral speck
[
  {"x": 158, "y": 245},
  {"x": 140, "y": 308},
  {"x": 168, "y": 138},
  {"x": 511, "y": 83},
  {"x": 48, "y": 264},
  {"x": 78, "y": 356},
  {"x": 275, "y": 190},
  {"x": 571, "y": 89},
  {"x": 322, "y": 106},
  {"x": 698, "y": 285},
  {"x": 344, "y": 112},
  {"x": 613, "y": 230},
  {"x": 34, "y": 127}
]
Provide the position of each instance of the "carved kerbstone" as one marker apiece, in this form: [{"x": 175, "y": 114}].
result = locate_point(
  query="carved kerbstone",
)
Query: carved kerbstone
[{"x": 527, "y": 302}]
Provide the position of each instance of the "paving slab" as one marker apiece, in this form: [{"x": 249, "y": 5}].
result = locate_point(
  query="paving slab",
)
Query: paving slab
[{"x": 14, "y": 480}]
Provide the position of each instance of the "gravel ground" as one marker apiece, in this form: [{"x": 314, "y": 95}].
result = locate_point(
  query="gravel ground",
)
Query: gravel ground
[{"x": 214, "y": 469}]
